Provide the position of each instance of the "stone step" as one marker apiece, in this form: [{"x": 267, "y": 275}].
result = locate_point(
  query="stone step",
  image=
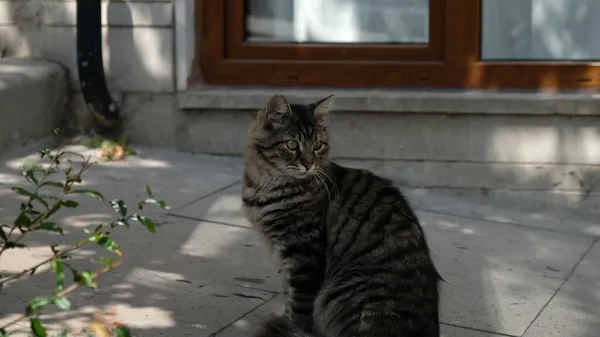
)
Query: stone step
[
  {"x": 33, "y": 99},
  {"x": 517, "y": 141}
]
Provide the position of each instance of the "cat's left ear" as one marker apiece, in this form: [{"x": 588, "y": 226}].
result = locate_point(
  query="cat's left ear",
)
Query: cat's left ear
[
  {"x": 323, "y": 108},
  {"x": 277, "y": 112}
]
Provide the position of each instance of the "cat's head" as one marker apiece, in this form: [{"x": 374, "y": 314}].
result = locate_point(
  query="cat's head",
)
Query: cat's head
[{"x": 292, "y": 138}]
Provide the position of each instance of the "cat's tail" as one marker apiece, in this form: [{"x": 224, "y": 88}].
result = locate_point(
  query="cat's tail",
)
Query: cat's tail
[{"x": 277, "y": 326}]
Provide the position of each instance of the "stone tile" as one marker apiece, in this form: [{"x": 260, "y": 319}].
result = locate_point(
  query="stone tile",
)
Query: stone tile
[
  {"x": 233, "y": 255},
  {"x": 452, "y": 331},
  {"x": 247, "y": 325},
  {"x": 575, "y": 309},
  {"x": 503, "y": 247},
  {"x": 552, "y": 254},
  {"x": 196, "y": 277},
  {"x": 198, "y": 251},
  {"x": 492, "y": 300},
  {"x": 176, "y": 178},
  {"x": 189, "y": 278},
  {"x": 160, "y": 306},
  {"x": 498, "y": 276},
  {"x": 552, "y": 211},
  {"x": 223, "y": 207},
  {"x": 138, "y": 59}
]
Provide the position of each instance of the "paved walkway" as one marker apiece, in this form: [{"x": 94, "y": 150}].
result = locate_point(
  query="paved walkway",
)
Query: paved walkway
[{"x": 513, "y": 267}]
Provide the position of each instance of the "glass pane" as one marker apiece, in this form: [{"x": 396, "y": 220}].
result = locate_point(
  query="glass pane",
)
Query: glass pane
[
  {"x": 337, "y": 21},
  {"x": 551, "y": 30}
]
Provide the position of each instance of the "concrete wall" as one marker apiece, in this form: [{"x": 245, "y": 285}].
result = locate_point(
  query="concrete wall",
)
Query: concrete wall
[
  {"x": 139, "y": 51},
  {"x": 138, "y": 39},
  {"x": 527, "y": 153}
]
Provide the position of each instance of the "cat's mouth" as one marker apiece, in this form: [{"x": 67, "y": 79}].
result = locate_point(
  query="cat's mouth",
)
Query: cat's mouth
[{"x": 301, "y": 171}]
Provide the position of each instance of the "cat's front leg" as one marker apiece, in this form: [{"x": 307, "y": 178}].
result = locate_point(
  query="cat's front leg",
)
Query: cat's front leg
[{"x": 303, "y": 277}]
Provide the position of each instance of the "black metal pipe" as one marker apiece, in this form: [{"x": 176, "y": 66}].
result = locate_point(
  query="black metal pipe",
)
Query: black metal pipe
[{"x": 92, "y": 79}]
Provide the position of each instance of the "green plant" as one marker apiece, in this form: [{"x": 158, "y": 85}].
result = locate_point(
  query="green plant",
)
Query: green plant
[{"x": 47, "y": 195}]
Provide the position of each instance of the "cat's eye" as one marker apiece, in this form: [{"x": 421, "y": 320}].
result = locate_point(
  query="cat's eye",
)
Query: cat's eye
[
  {"x": 318, "y": 145},
  {"x": 291, "y": 144}
]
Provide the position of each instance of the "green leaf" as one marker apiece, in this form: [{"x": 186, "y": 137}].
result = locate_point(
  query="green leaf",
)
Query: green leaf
[
  {"x": 30, "y": 177},
  {"x": 91, "y": 193},
  {"x": 121, "y": 332},
  {"x": 105, "y": 242},
  {"x": 70, "y": 203},
  {"x": 33, "y": 212},
  {"x": 3, "y": 333},
  {"x": 31, "y": 195},
  {"x": 119, "y": 207},
  {"x": 149, "y": 191},
  {"x": 158, "y": 203},
  {"x": 107, "y": 262},
  {"x": 108, "y": 244},
  {"x": 54, "y": 184},
  {"x": 56, "y": 131},
  {"x": 39, "y": 303},
  {"x": 44, "y": 152},
  {"x": 22, "y": 221},
  {"x": 37, "y": 328},
  {"x": 33, "y": 167},
  {"x": 74, "y": 178},
  {"x": 146, "y": 222},
  {"x": 51, "y": 227},
  {"x": 57, "y": 267},
  {"x": 121, "y": 223},
  {"x": 86, "y": 278},
  {"x": 62, "y": 303},
  {"x": 62, "y": 334}
]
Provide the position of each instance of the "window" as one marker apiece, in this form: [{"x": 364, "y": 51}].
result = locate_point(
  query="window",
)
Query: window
[{"x": 400, "y": 43}]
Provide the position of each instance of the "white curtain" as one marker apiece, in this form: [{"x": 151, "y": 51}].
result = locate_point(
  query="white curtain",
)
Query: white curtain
[
  {"x": 541, "y": 30},
  {"x": 338, "y": 21}
]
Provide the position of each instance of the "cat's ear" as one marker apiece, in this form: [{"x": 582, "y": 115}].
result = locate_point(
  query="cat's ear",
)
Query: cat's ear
[
  {"x": 277, "y": 111},
  {"x": 323, "y": 109}
]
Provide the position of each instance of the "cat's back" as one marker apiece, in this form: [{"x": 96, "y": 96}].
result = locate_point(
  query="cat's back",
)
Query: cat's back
[
  {"x": 365, "y": 195},
  {"x": 371, "y": 218},
  {"x": 380, "y": 276}
]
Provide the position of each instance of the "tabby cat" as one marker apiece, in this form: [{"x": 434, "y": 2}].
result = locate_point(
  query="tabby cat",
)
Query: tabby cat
[{"x": 353, "y": 254}]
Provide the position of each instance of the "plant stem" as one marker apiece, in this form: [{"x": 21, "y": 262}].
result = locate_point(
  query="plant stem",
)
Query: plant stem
[
  {"x": 50, "y": 210},
  {"x": 69, "y": 288}
]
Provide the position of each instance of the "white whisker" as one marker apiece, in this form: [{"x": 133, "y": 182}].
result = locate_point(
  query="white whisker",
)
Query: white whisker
[{"x": 329, "y": 196}]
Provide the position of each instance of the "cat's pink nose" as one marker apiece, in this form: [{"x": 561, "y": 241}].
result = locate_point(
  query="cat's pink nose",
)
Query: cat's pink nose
[{"x": 307, "y": 164}]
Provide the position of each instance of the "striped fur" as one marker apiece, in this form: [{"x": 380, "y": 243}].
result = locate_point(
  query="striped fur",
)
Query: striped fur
[{"x": 354, "y": 255}]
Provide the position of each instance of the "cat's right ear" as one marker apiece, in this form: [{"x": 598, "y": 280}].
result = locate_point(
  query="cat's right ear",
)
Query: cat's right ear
[{"x": 277, "y": 112}]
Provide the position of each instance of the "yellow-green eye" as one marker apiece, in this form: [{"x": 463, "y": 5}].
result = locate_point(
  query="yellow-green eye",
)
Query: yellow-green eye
[
  {"x": 291, "y": 144},
  {"x": 317, "y": 145}
]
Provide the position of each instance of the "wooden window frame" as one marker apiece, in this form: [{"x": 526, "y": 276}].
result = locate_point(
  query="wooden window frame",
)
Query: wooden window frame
[{"x": 450, "y": 60}]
